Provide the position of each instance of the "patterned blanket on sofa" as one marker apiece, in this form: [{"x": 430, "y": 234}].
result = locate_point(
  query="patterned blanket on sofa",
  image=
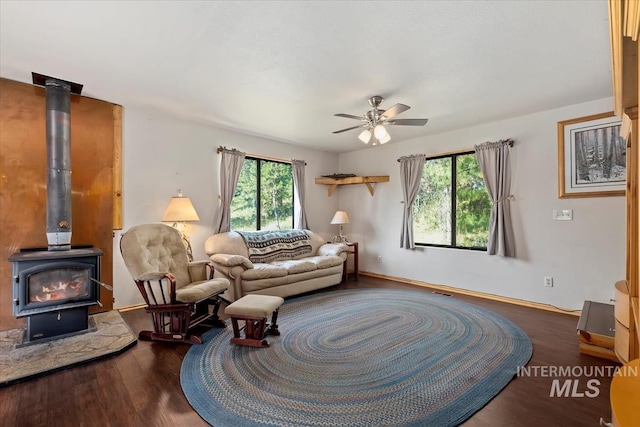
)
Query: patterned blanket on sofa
[{"x": 270, "y": 245}]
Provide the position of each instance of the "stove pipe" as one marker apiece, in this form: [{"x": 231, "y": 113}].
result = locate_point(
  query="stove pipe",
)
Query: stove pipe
[{"x": 58, "y": 95}]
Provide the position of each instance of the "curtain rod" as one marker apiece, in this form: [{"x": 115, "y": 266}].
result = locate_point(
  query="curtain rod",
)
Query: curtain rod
[
  {"x": 260, "y": 156},
  {"x": 463, "y": 150}
]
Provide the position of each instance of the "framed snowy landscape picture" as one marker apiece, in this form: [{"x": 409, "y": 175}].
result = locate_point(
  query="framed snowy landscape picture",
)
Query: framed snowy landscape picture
[{"x": 591, "y": 157}]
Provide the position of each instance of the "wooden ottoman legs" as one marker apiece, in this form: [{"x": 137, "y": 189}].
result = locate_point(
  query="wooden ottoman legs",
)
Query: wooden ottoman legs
[
  {"x": 273, "y": 327},
  {"x": 255, "y": 329},
  {"x": 254, "y": 310}
]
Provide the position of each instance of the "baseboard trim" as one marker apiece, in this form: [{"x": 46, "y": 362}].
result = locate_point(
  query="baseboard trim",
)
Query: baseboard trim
[
  {"x": 494, "y": 297},
  {"x": 443, "y": 288},
  {"x": 131, "y": 307}
]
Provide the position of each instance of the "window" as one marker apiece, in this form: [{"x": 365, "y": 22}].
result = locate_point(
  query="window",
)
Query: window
[
  {"x": 452, "y": 207},
  {"x": 264, "y": 196}
]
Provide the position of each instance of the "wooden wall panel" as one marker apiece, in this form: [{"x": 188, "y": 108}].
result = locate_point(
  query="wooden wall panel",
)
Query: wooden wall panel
[
  {"x": 624, "y": 16},
  {"x": 632, "y": 194},
  {"x": 117, "y": 167},
  {"x": 624, "y": 25},
  {"x": 23, "y": 180}
]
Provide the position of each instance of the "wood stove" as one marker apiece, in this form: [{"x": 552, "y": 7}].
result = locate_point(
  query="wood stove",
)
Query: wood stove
[
  {"x": 54, "y": 286},
  {"x": 54, "y": 290}
]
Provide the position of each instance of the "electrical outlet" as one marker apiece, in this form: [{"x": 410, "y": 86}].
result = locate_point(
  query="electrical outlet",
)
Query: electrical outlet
[
  {"x": 379, "y": 258},
  {"x": 548, "y": 281}
]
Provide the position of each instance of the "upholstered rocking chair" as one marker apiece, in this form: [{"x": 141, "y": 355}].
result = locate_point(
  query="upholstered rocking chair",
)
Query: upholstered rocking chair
[{"x": 179, "y": 294}]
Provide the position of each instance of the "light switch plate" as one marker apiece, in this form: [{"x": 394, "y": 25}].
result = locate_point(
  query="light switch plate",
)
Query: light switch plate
[{"x": 563, "y": 214}]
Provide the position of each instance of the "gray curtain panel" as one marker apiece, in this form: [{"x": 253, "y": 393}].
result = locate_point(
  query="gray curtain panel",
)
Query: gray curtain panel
[
  {"x": 411, "y": 168},
  {"x": 298, "y": 185},
  {"x": 230, "y": 168},
  {"x": 495, "y": 164}
]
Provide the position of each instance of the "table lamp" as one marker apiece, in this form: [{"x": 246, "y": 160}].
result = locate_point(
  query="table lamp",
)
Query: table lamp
[
  {"x": 181, "y": 209},
  {"x": 340, "y": 218}
]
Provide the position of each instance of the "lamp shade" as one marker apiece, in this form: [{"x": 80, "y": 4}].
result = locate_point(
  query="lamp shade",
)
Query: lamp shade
[
  {"x": 180, "y": 209},
  {"x": 379, "y": 132},
  {"x": 365, "y": 136},
  {"x": 340, "y": 217}
]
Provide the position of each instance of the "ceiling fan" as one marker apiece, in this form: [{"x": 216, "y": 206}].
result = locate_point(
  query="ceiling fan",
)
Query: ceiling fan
[{"x": 375, "y": 119}]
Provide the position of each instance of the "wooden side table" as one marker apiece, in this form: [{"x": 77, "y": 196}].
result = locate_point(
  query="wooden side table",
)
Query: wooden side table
[{"x": 352, "y": 251}]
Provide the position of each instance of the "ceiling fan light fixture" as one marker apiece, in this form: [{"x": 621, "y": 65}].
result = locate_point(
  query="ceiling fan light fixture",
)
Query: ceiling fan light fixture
[
  {"x": 365, "y": 136},
  {"x": 380, "y": 132},
  {"x": 375, "y": 132}
]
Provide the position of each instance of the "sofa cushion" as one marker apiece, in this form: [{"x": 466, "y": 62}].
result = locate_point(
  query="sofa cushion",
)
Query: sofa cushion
[
  {"x": 320, "y": 272},
  {"x": 264, "y": 271},
  {"x": 270, "y": 245},
  {"x": 296, "y": 266},
  {"x": 325, "y": 261},
  {"x": 263, "y": 285}
]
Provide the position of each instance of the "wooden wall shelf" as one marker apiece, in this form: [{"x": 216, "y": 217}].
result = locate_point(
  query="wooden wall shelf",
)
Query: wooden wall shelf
[{"x": 366, "y": 180}]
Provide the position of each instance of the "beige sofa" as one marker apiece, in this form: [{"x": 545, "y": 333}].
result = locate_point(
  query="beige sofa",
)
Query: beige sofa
[{"x": 279, "y": 263}]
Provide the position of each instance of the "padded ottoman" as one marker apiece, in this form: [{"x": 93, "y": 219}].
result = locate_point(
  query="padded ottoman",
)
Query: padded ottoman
[{"x": 254, "y": 311}]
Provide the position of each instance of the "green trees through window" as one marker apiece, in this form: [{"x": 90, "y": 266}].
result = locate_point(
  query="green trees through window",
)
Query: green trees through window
[
  {"x": 452, "y": 207},
  {"x": 264, "y": 196}
]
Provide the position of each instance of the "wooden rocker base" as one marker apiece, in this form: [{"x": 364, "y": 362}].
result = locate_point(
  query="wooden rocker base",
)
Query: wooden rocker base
[
  {"x": 178, "y": 322},
  {"x": 155, "y": 336}
]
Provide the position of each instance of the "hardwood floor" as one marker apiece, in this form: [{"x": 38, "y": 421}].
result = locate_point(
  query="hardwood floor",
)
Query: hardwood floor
[{"x": 141, "y": 387}]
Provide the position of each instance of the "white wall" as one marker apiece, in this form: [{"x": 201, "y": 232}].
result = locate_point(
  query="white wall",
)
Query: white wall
[
  {"x": 162, "y": 154},
  {"x": 584, "y": 256}
]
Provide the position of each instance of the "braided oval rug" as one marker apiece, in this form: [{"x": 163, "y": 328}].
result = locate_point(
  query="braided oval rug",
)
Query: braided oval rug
[{"x": 366, "y": 357}]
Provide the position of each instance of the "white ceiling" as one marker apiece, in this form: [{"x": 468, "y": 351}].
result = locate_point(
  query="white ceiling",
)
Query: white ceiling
[{"x": 281, "y": 69}]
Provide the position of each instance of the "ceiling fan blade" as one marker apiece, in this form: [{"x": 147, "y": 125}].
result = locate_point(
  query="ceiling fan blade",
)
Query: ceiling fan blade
[
  {"x": 351, "y": 128},
  {"x": 395, "y": 110},
  {"x": 349, "y": 116},
  {"x": 407, "y": 122}
]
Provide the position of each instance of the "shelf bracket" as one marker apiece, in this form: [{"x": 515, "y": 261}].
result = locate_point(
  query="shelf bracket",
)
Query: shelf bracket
[{"x": 370, "y": 187}]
